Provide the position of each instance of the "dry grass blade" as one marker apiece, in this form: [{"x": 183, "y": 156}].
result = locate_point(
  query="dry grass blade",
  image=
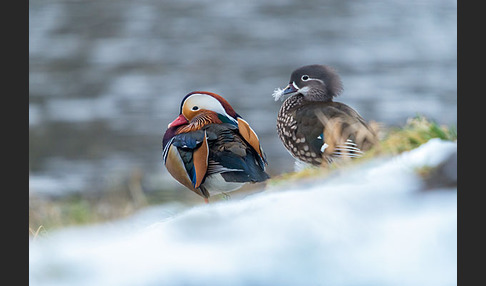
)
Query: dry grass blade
[
  {"x": 36, "y": 232},
  {"x": 344, "y": 136}
]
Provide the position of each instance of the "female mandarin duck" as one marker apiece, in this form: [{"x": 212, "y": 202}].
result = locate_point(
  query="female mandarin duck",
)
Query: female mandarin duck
[
  {"x": 210, "y": 149},
  {"x": 315, "y": 129}
]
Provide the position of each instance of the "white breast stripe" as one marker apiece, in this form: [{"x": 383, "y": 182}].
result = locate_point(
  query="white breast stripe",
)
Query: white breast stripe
[
  {"x": 323, "y": 147},
  {"x": 164, "y": 154}
]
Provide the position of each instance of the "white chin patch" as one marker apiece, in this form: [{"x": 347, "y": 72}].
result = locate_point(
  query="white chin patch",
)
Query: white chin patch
[{"x": 277, "y": 93}]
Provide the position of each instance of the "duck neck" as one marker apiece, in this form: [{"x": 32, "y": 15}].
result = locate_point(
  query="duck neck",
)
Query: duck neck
[{"x": 318, "y": 95}]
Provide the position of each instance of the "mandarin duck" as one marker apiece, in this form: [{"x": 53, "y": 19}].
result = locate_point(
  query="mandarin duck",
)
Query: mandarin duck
[
  {"x": 314, "y": 129},
  {"x": 210, "y": 149}
]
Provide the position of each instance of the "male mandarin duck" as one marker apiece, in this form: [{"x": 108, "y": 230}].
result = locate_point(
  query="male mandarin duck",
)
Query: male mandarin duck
[
  {"x": 315, "y": 129},
  {"x": 211, "y": 149}
]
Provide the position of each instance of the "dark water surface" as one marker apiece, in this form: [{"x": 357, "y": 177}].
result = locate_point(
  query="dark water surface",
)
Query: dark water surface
[{"x": 106, "y": 77}]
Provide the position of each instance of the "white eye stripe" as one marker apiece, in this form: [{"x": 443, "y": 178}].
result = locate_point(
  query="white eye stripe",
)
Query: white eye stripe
[
  {"x": 307, "y": 78},
  {"x": 204, "y": 101}
]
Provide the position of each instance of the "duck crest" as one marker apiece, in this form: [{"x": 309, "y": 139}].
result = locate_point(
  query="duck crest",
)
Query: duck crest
[{"x": 218, "y": 97}]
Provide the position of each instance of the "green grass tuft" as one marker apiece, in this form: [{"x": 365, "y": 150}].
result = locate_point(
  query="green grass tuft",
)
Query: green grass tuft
[{"x": 417, "y": 131}]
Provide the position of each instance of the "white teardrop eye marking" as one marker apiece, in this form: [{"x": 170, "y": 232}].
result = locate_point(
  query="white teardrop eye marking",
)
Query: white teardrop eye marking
[
  {"x": 199, "y": 101},
  {"x": 305, "y": 77}
]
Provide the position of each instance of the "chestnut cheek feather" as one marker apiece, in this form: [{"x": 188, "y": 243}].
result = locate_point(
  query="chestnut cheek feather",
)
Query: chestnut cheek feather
[{"x": 199, "y": 121}]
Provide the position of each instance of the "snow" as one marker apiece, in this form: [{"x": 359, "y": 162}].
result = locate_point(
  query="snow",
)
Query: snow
[{"x": 366, "y": 225}]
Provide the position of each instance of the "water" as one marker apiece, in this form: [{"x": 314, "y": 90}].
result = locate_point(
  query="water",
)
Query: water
[{"x": 106, "y": 77}]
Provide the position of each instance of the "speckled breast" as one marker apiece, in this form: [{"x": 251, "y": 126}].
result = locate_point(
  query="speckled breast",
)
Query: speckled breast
[{"x": 286, "y": 129}]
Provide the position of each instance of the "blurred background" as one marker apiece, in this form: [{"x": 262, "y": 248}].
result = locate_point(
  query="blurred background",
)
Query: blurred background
[{"x": 106, "y": 77}]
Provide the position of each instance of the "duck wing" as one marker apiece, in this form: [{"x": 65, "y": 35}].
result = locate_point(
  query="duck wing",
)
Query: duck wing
[{"x": 232, "y": 156}]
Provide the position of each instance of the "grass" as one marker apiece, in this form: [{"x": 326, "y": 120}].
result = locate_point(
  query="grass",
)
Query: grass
[
  {"x": 48, "y": 214},
  {"x": 119, "y": 201},
  {"x": 395, "y": 140},
  {"x": 417, "y": 131},
  {"x": 34, "y": 233}
]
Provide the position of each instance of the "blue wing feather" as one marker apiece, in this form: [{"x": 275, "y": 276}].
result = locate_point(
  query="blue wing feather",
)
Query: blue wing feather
[{"x": 190, "y": 140}]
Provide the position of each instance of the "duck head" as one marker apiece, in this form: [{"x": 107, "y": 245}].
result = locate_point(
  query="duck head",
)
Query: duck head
[
  {"x": 200, "y": 108},
  {"x": 313, "y": 82}
]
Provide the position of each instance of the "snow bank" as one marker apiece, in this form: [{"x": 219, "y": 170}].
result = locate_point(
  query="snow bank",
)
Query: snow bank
[{"x": 370, "y": 225}]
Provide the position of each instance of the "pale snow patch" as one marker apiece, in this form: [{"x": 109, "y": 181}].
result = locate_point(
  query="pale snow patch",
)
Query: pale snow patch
[{"x": 368, "y": 225}]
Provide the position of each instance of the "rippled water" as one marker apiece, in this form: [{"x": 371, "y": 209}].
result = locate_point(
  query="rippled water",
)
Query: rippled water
[{"x": 106, "y": 77}]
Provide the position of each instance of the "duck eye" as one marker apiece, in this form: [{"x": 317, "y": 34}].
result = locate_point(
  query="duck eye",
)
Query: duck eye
[
  {"x": 305, "y": 78},
  {"x": 195, "y": 108}
]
